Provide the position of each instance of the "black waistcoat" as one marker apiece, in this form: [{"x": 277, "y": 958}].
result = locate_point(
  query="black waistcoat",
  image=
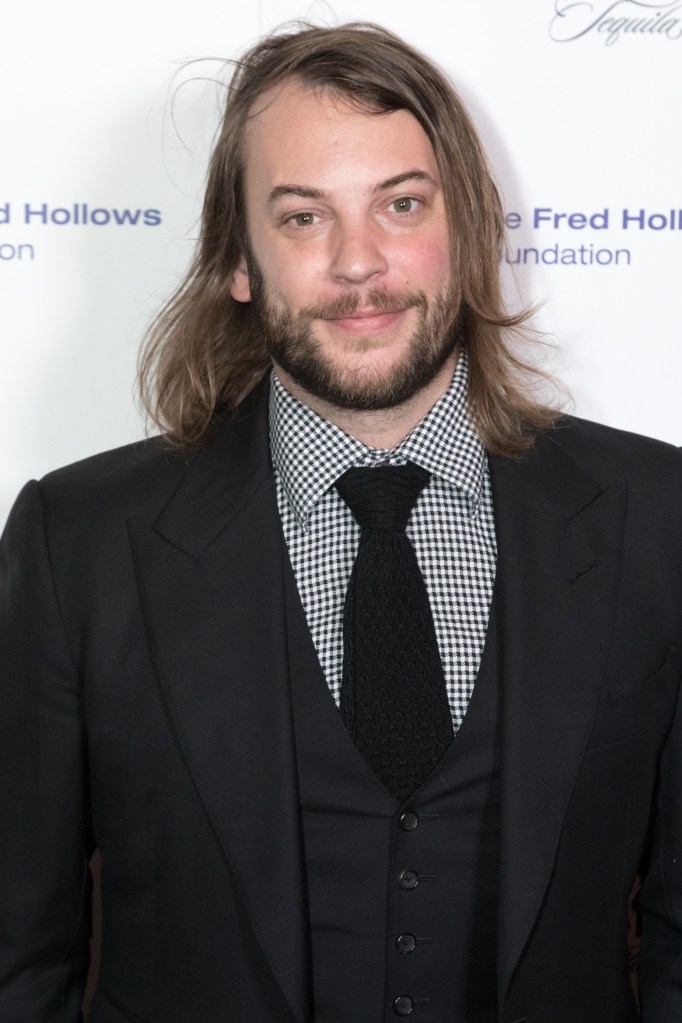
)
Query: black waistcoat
[{"x": 402, "y": 898}]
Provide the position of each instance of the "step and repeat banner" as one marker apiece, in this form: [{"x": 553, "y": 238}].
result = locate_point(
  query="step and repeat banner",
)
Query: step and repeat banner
[{"x": 106, "y": 123}]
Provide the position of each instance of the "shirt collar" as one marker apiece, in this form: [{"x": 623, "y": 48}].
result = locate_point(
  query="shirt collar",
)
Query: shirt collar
[{"x": 310, "y": 453}]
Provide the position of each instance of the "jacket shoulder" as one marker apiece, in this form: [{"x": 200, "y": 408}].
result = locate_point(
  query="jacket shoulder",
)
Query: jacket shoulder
[
  {"x": 139, "y": 479},
  {"x": 129, "y": 479},
  {"x": 607, "y": 452}
]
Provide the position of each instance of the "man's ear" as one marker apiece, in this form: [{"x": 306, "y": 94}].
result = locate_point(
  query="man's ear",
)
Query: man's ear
[{"x": 240, "y": 289}]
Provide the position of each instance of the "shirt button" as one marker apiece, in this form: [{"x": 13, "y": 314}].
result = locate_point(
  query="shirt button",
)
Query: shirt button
[
  {"x": 406, "y": 943},
  {"x": 409, "y": 820},
  {"x": 403, "y": 1006},
  {"x": 408, "y": 880}
]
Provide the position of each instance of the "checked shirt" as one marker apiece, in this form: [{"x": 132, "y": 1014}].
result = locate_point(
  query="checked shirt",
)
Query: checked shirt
[{"x": 451, "y": 527}]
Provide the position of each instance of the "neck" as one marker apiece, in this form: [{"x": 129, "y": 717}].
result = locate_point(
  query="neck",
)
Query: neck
[{"x": 379, "y": 428}]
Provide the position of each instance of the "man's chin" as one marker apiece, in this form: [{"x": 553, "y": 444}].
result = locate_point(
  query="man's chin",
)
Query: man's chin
[{"x": 369, "y": 388}]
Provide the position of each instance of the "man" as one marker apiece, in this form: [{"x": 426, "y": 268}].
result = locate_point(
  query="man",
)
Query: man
[{"x": 342, "y": 767}]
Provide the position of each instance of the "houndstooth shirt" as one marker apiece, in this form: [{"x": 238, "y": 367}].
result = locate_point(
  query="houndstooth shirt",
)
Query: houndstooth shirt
[{"x": 451, "y": 526}]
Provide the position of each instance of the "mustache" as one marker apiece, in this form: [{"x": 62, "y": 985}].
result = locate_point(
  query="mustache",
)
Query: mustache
[{"x": 377, "y": 300}]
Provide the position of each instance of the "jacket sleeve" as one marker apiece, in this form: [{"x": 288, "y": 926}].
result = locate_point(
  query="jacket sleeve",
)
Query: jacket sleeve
[
  {"x": 44, "y": 875},
  {"x": 660, "y": 898}
]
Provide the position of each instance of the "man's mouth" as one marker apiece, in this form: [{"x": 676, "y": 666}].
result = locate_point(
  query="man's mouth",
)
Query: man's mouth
[
  {"x": 366, "y": 321},
  {"x": 359, "y": 314},
  {"x": 364, "y": 316}
]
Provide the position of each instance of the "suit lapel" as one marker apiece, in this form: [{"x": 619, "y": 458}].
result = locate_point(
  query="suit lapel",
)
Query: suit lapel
[
  {"x": 210, "y": 578},
  {"x": 559, "y": 538}
]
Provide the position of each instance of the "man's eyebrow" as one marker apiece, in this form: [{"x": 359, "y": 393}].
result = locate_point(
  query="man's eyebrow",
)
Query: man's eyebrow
[
  {"x": 306, "y": 192},
  {"x": 302, "y": 191},
  {"x": 410, "y": 175}
]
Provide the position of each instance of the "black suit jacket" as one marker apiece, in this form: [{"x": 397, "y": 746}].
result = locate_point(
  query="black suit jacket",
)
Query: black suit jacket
[{"x": 145, "y": 708}]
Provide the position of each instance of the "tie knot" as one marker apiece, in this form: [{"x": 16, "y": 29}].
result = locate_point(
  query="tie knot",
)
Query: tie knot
[{"x": 382, "y": 497}]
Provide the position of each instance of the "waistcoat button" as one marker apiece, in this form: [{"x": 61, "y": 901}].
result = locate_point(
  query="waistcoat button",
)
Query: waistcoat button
[
  {"x": 403, "y": 1006},
  {"x": 406, "y": 943},
  {"x": 408, "y": 880},
  {"x": 409, "y": 820}
]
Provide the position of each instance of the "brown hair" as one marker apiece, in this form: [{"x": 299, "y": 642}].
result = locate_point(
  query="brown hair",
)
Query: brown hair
[{"x": 205, "y": 351}]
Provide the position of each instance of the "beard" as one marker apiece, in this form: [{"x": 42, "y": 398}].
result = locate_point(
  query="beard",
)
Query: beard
[{"x": 291, "y": 343}]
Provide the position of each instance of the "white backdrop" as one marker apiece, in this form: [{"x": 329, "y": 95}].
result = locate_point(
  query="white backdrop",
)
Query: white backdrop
[{"x": 103, "y": 121}]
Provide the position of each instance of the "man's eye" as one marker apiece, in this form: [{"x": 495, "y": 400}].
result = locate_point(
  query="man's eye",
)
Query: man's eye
[
  {"x": 404, "y": 205},
  {"x": 302, "y": 219}
]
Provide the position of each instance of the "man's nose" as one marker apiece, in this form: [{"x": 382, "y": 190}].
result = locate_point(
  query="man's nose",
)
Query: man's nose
[{"x": 357, "y": 253}]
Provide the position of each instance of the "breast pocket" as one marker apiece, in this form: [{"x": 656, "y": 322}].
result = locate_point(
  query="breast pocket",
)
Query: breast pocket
[{"x": 647, "y": 704}]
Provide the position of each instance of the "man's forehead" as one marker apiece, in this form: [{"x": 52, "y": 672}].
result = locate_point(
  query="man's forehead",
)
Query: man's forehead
[
  {"x": 294, "y": 121},
  {"x": 286, "y": 96}
]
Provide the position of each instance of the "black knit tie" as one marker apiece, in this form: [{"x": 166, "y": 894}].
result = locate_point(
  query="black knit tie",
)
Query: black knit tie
[{"x": 393, "y": 698}]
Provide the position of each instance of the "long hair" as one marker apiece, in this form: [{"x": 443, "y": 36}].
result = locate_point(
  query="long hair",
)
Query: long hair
[{"x": 205, "y": 351}]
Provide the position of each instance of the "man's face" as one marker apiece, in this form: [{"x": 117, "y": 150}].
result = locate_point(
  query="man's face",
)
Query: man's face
[{"x": 348, "y": 263}]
